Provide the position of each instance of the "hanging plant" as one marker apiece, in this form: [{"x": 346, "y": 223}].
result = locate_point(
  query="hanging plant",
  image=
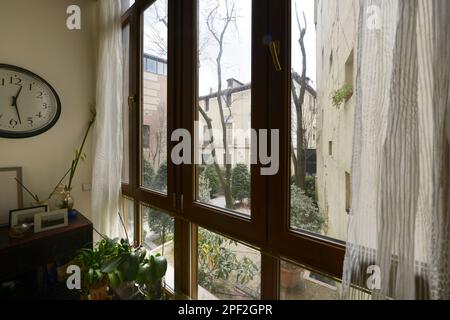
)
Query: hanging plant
[{"x": 342, "y": 95}]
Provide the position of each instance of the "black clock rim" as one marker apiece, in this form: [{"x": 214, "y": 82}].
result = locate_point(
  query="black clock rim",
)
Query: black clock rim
[{"x": 19, "y": 135}]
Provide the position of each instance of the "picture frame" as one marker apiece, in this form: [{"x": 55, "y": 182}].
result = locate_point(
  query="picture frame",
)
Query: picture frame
[
  {"x": 11, "y": 196},
  {"x": 25, "y": 216},
  {"x": 46, "y": 221}
]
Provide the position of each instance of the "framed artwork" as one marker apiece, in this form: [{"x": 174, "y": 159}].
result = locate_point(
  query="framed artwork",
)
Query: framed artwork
[
  {"x": 11, "y": 197},
  {"x": 25, "y": 216},
  {"x": 46, "y": 221}
]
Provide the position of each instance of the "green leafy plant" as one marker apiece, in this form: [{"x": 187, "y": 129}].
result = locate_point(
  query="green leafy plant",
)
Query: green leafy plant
[
  {"x": 310, "y": 187},
  {"x": 117, "y": 262},
  {"x": 160, "y": 181},
  {"x": 91, "y": 261},
  {"x": 149, "y": 174},
  {"x": 204, "y": 190},
  {"x": 304, "y": 212},
  {"x": 131, "y": 264},
  {"x": 211, "y": 175},
  {"x": 240, "y": 187},
  {"x": 341, "y": 95},
  {"x": 217, "y": 261}
]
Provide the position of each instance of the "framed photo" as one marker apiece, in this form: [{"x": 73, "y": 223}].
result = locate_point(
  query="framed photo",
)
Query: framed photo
[
  {"x": 25, "y": 216},
  {"x": 10, "y": 193},
  {"x": 46, "y": 221}
]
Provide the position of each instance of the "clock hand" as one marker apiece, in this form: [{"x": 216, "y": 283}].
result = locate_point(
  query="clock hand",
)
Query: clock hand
[
  {"x": 18, "y": 93},
  {"x": 15, "y": 104}
]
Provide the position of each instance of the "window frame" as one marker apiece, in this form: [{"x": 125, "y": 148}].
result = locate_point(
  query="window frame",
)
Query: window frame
[
  {"x": 268, "y": 228},
  {"x": 318, "y": 252}
]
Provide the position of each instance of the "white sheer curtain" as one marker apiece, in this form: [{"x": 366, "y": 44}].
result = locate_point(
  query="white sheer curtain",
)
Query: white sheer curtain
[
  {"x": 106, "y": 181},
  {"x": 400, "y": 218}
]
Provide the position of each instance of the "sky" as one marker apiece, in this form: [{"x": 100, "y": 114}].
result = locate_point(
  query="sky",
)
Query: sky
[{"x": 237, "y": 42}]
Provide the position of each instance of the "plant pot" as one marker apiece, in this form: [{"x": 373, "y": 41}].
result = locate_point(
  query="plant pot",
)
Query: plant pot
[
  {"x": 126, "y": 291},
  {"x": 99, "y": 292},
  {"x": 290, "y": 277}
]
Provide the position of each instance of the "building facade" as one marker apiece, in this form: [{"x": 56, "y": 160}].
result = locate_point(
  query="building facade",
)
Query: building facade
[{"x": 336, "y": 23}]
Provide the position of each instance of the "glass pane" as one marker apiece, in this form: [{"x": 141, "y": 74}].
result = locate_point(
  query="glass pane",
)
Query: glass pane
[
  {"x": 224, "y": 92},
  {"x": 125, "y": 109},
  {"x": 126, "y": 4},
  {"x": 158, "y": 233},
  {"x": 227, "y": 270},
  {"x": 127, "y": 211},
  {"x": 154, "y": 109},
  {"x": 321, "y": 132},
  {"x": 297, "y": 283}
]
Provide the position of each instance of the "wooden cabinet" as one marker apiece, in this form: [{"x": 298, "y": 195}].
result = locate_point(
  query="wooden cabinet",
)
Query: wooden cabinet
[{"x": 31, "y": 254}]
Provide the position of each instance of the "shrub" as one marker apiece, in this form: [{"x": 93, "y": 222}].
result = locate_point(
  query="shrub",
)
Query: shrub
[
  {"x": 341, "y": 95},
  {"x": 149, "y": 174},
  {"x": 160, "y": 181},
  {"x": 240, "y": 185},
  {"x": 213, "y": 179},
  {"x": 204, "y": 190},
  {"x": 218, "y": 262},
  {"x": 304, "y": 212}
]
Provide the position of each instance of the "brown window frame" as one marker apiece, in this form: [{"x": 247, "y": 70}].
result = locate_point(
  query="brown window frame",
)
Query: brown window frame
[{"x": 268, "y": 228}]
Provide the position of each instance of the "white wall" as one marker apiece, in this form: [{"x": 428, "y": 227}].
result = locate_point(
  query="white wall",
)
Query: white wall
[{"x": 34, "y": 36}]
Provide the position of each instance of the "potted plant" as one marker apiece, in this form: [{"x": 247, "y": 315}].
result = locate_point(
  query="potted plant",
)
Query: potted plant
[
  {"x": 130, "y": 271},
  {"x": 290, "y": 275},
  {"x": 342, "y": 95},
  {"x": 94, "y": 281}
]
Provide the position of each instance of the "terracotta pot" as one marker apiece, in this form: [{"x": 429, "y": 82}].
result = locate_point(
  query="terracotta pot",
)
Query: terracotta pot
[
  {"x": 290, "y": 277},
  {"x": 126, "y": 291},
  {"x": 98, "y": 292}
]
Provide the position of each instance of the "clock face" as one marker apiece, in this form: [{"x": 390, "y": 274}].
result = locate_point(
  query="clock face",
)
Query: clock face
[{"x": 29, "y": 105}]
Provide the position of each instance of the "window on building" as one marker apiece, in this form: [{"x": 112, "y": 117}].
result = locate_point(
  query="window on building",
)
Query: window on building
[
  {"x": 347, "y": 192},
  {"x": 349, "y": 70},
  {"x": 160, "y": 68},
  {"x": 330, "y": 148},
  {"x": 151, "y": 66}
]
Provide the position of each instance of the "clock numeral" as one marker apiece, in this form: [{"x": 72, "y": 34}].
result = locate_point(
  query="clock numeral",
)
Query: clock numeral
[
  {"x": 30, "y": 121},
  {"x": 39, "y": 115},
  {"x": 15, "y": 80},
  {"x": 40, "y": 95},
  {"x": 31, "y": 86},
  {"x": 3, "y": 81},
  {"x": 13, "y": 123},
  {"x": 45, "y": 106}
]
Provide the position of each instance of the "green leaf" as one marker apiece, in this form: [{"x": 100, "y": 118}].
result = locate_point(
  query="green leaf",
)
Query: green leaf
[{"x": 112, "y": 265}]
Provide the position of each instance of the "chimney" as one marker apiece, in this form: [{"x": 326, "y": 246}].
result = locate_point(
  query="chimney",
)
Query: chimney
[{"x": 233, "y": 83}]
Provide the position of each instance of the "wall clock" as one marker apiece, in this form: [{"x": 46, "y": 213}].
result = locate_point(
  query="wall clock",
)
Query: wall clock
[{"x": 29, "y": 105}]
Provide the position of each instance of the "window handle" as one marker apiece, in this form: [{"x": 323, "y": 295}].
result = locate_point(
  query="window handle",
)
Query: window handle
[
  {"x": 275, "y": 49},
  {"x": 131, "y": 101}
]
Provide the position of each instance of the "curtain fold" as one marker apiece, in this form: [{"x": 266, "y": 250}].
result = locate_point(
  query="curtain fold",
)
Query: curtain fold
[
  {"x": 400, "y": 217},
  {"x": 107, "y": 167}
]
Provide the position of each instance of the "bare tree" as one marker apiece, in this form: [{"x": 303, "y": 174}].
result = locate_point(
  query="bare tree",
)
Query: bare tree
[
  {"x": 159, "y": 140},
  {"x": 218, "y": 23},
  {"x": 299, "y": 158}
]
